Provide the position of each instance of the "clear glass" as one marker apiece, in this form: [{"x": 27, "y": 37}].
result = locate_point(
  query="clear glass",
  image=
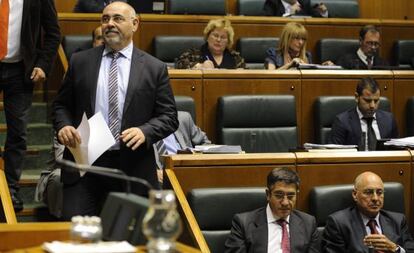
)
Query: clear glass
[
  {"x": 86, "y": 229},
  {"x": 161, "y": 224}
]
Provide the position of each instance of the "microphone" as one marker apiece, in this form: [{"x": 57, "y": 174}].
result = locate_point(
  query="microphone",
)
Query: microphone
[{"x": 103, "y": 171}]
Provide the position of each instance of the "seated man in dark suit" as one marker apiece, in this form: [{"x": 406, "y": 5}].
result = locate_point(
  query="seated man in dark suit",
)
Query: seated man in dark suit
[
  {"x": 188, "y": 135},
  {"x": 365, "y": 124},
  {"x": 285, "y": 8},
  {"x": 366, "y": 227},
  {"x": 278, "y": 227},
  {"x": 367, "y": 55}
]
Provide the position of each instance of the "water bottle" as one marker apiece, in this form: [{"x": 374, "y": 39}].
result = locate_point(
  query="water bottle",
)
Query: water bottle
[
  {"x": 86, "y": 229},
  {"x": 161, "y": 224}
]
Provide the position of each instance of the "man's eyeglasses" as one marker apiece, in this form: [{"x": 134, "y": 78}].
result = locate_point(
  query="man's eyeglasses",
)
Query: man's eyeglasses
[
  {"x": 116, "y": 18},
  {"x": 371, "y": 192},
  {"x": 373, "y": 43},
  {"x": 281, "y": 195}
]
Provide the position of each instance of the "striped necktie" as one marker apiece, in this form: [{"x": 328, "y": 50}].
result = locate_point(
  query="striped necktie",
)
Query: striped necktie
[
  {"x": 113, "y": 114},
  {"x": 4, "y": 27}
]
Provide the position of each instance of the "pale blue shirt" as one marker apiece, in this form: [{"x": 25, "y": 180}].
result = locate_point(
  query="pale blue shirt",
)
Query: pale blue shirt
[
  {"x": 171, "y": 144},
  {"x": 124, "y": 67}
]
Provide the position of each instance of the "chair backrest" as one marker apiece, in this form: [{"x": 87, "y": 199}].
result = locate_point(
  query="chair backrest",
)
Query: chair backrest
[
  {"x": 253, "y": 50},
  {"x": 404, "y": 53},
  {"x": 410, "y": 116},
  {"x": 74, "y": 43},
  {"x": 251, "y": 7},
  {"x": 169, "y": 48},
  {"x": 340, "y": 8},
  {"x": 325, "y": 200},
  {"x": 327, "y": 107},
  {"x": 214, "y": 209},
  {"x": 257, "y": 123},
  {"x": 333, "y": 49},
  {"x": 186, "y": 103},
  {"x": 210, "y": 7}
]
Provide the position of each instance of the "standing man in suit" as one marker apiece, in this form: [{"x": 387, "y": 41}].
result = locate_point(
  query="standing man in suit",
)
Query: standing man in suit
[
  {"x": 278, "y": 227},
  {"x": 349, "y": 126},
  {"x": 132, "y": 91},
  {"x": 366, "y": 227},
  {"x": 286, "y": 8},
  {"x": 188, "y": 135},
  {"x": 29, "y": 38},
  {"x": 366, "y": 57}
]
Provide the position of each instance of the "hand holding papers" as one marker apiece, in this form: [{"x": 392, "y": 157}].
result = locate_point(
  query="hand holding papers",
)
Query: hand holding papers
[
  {"x": 96, "y": 139},
  {"x": 402, "y": 142}
]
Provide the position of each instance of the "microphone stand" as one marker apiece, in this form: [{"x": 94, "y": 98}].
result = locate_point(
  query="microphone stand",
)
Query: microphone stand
[{"x": 103, "y": 171}]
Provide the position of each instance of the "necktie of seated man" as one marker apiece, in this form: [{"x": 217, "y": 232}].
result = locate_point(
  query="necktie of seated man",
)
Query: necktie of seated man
[
  {"x": 113, "y": 115},
  {"x": 4, "y": 27},
  {"x": 372, "y": 224},
  {"x": 285, "y": 236},
  {"x": 372, "y": 139},
  {"x": 369, "y": 62}
]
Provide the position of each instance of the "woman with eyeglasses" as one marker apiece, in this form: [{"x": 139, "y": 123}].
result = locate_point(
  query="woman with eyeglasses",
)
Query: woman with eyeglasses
[
  {"x": 216, "y": 52},
  {"x": 291, "y": 50}
]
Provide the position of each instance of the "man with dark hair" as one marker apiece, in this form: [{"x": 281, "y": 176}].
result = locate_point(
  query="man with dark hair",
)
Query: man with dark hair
[
  {"x": 366, "y": 227},
  {"x": 285, "y": 8},
  {"x": 278, "y": 227},
  {"x": 366, "y": 57},
  {"x": 364, "y": 124}
]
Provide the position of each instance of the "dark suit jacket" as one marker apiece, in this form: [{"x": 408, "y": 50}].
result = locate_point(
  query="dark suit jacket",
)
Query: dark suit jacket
[
  {"x": 352, "y": 61},
  {"x": 91, "y": 6},
  {"x": 249, "y": 232},
  {"x": 149, "y": 105},
  {"x": 276, "y": 8},
  {"x": 344, "y": 231},
  {"x": 39, "y": 15},
  {"x": 346, "y": 128}
]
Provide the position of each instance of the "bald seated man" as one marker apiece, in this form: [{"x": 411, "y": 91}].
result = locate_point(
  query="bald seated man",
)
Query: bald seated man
[{"x": 366, "y": 227}]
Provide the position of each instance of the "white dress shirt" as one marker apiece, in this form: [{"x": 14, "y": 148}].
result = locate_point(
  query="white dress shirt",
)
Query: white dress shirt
[
  {"x": 364, "y": 125},
  {"x": 274, "y": 235},
  {"x": 124, "y": 67}
]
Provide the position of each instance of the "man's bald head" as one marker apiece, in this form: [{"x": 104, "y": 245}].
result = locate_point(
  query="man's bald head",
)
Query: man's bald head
[{"x": 368, "y": 193}]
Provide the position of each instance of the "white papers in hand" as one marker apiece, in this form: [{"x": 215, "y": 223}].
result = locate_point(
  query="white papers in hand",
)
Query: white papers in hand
[{"x": 96, "y": 139}]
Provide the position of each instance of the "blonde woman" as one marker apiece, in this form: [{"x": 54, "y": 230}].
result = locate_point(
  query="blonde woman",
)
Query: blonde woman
[
  {"x": 291, "y": 50},
  {"x": 216, "y": 52}
]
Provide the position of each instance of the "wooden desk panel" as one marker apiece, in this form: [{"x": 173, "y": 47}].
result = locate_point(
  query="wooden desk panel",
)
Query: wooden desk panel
[
  {"x": 246, "y": 83},
  {"x": 393, "y": 30},
  {"x": 333, "y": 83},
  {"x": 403, "y": 90},
  {"x": 189, "y": 83}
]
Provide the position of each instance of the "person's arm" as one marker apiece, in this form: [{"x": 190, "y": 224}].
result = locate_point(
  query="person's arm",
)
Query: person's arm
[
  {"x": 236, "y": 242},
  {"x": 338, "y": 132},
  {"x": 198, "y": 137},
  {"x": 314, "y": 244},
  {"x": 189, "y": 59},
  {"x": 332, "y": 239},
  {"x": 270, "y": 8},
  {"x": 164, "y": 116},
  {"x": 51, "y": 36}
]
